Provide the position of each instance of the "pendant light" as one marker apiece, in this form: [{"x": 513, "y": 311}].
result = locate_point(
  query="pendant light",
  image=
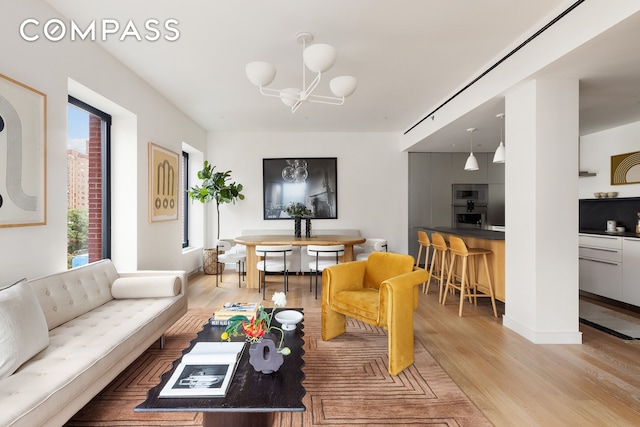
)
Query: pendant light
[
  {"x": 498, "y": 157},
  {"x": 472, "y": 162}
]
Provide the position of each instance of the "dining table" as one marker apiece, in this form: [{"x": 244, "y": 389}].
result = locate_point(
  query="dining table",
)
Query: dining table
[{"x": 252, "y": 277}]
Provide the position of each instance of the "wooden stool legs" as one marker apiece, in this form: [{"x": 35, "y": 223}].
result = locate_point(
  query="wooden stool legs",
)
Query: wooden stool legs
[
  {"x": 437, "y": 270},
  {"x": 468, "y": 285}
]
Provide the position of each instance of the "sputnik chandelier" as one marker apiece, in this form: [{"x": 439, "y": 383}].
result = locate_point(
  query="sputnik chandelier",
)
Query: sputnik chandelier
[{"x": 318, "y": 58}]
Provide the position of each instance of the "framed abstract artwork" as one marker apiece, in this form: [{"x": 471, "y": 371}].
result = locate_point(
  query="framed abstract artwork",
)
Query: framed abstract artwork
[
  {"x": 23, "y": 127},
  {"x": 164, "y": 174},
  {"x": 625, "y": 168},
  {"x": 311, "y": 181}
]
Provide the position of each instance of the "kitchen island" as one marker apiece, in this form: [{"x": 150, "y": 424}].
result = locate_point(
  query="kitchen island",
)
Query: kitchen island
[{"x": 486, "y": 239}]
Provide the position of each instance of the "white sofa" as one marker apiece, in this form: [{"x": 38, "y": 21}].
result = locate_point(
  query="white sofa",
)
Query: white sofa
[
  {"x": 300, "y": 259},
  {"x": 70, "y": 334}
]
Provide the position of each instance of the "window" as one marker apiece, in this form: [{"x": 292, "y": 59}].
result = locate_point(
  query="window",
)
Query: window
[
  {"x": 185, "y": 199},
  {"x": 88, "y": 188}
]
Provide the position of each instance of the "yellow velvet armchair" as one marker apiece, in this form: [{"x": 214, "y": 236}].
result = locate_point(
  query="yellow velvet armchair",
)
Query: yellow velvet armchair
[{"x": 381, "y": 291}]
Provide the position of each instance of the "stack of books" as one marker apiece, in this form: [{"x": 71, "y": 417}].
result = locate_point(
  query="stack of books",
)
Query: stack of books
[{"x": 230, "y": 309}]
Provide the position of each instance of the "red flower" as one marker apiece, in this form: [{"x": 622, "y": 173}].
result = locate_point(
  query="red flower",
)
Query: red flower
[{"x": 254, "y": 330}]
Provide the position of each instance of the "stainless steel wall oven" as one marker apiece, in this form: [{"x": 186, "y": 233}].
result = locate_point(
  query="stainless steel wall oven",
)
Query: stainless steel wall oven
[{"x": 470, "y": 203}]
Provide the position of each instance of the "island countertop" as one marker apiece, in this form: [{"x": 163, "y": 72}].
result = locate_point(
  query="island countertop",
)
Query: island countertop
[{"x": 469, "y": 232}]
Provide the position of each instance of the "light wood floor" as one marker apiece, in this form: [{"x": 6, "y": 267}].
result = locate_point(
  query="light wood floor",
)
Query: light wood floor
[{"x": 514, "y": 382}]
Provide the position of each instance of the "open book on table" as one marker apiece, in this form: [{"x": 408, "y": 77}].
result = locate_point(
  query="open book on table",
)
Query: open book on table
[{"x": 206, "y": 371}]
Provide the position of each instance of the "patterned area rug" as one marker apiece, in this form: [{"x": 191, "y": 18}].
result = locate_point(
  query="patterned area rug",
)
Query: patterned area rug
[{"x": 347, "y": 384}]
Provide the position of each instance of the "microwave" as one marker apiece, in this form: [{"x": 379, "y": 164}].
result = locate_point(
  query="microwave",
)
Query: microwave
[{"x": 470, "y": 194}]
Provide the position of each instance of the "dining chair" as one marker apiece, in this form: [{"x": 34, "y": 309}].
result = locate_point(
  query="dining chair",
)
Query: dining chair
[
  {"x": 324, "y": 256},
  {"x": 274, "y": 260},
  {"x": 372, "y": 245},
  {"x": 223, "y": 255}
]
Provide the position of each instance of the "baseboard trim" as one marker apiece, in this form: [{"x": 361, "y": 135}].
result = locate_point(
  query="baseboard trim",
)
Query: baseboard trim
[{"x": 546, "y": 337}]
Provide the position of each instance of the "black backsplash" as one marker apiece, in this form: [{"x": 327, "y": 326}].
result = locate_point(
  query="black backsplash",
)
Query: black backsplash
[{"x": 594, "y": 213}]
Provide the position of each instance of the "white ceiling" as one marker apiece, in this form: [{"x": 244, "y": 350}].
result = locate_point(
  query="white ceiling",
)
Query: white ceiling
[{"x": 408, "y": 56}]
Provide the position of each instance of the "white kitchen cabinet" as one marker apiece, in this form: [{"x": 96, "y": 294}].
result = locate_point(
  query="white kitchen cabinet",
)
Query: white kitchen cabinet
[
  {"x": 601, "y": 278},
  {"x": 631, "y": 270},
  {"x": 601, "y": 265}
]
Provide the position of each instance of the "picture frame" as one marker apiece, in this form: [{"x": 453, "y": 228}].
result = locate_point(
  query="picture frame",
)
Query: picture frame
[
  {"x": 23, "y": 131},
  {"x": 164, "y": 177},
  {"x": 312, "y": 181},
  {"x": 625, "y": 168}
]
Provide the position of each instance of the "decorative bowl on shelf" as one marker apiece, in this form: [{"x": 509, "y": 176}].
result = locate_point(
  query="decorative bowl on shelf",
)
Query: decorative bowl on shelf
[
  {"x": 612, "y": 194},
  {"x": 289, "y": 319}
]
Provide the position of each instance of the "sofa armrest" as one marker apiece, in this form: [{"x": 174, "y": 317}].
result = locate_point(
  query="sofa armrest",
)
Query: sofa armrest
[{"x": 142, "y": 273}]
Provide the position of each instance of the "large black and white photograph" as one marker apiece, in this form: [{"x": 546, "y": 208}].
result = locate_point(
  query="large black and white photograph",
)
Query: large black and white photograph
[{"x": 309, "y": 181}]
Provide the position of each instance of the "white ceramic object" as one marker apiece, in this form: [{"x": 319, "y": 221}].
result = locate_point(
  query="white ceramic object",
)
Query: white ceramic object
[{"x": 289, "y": 319}]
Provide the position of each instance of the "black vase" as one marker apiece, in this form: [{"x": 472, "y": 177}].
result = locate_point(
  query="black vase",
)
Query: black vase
[
  {"x": 297, "y": 226},
  {"x": 307, "y": 227}
]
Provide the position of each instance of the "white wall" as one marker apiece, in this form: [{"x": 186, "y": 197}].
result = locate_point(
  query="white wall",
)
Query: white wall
[
  {"x": 372, "y": 180},
  {"x": 595, "y": 156},
  {"x": 48, "y": 66}
]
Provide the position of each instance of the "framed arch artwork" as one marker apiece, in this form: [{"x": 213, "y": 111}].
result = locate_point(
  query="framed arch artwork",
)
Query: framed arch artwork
[
  {"x": 164, "y": 176},
  {"x": 625, "y": 168}
]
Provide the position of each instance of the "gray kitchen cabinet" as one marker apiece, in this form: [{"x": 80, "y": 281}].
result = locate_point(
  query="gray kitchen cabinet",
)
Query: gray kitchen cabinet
[
  {"x": 495, "y": 171},
  {"x": 461, "y": 176},
  {"x": 441, "y": 189},
  {"x": 420, "y": 197},
  {"x": 431, "y": 176}
]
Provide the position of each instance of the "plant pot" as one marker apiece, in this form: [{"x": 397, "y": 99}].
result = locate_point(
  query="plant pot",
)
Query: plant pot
[
  {"x": 264, "y": 356},
  {"x": 210, "y": 263}
]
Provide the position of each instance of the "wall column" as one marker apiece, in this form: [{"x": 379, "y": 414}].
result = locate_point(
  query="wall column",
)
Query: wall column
[{"x": 541, "y": 213}]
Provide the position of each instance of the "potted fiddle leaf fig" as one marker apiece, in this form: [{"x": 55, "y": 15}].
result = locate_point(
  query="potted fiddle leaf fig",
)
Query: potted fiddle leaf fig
[{"x": 218, "y": 187}]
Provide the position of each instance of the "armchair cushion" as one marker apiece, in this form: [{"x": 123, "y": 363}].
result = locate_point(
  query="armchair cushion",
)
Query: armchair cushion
[{"x": 361, "y": 304}]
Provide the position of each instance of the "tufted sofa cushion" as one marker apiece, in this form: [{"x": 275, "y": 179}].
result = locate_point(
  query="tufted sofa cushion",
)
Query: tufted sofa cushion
[{"x": 67, "y": 295}]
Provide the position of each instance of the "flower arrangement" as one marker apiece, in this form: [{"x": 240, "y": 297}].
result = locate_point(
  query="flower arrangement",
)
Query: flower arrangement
[
  {"x": 259, "y": 325},
  {"x": 297, "y": 210}
]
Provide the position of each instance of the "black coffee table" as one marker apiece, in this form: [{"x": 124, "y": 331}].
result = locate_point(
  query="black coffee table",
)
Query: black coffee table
[{"x": 252, "y": 398}]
